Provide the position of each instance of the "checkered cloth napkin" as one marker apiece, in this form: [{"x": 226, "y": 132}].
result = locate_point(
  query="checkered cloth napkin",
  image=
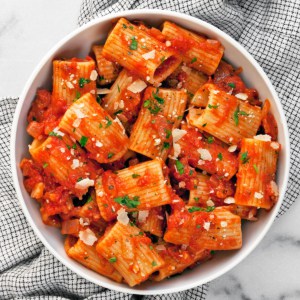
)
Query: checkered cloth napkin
[{"x": 269, "y": 30}]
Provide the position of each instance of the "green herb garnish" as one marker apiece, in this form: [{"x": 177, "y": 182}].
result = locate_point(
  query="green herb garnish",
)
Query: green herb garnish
[
  {"x": 125, "y": 200},
  {"x": 244, "y": 157},
  {"x": 83, "y": 82},
  {"x": 134, "y": 44},
  {"x": 179, "y": 167},
  {"x": 112, "y": 259},
  {"x": 220, "y": 156},
  {"x": 83, "y": 141}
]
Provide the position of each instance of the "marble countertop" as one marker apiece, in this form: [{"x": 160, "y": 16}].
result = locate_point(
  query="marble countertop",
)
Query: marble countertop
[{"x": 28, "y": 29}]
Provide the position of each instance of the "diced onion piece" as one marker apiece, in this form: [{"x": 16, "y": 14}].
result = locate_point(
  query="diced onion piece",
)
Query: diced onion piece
[
  {"x": 103, "y": 91},
  {"x": 93, "y": 75}
]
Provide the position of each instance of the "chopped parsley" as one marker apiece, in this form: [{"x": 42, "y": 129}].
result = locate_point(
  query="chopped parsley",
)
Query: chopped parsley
[
  {"x": 154, "y": 263},
  {"x": 147, "y": 103},
  {"x": 52, "y": 133},
  {"x": 213, "y": 106},
  {"x": 151, "y": 247},
  {"x": 244, "y": 157},
  {"x": 196, "y": 199},
  {"x": 83, "y": 141},
  {"x": 238, "y": 113},
  {"x": 203, "y": 125},
  {"x": 157, "y": 98},
  {"x": 191, "y": 172},
  {"x": 198, "y": 226},
  {"x": 45, "y": 165},
  {"x": 83, "y": 82},
  {"x": 168, "y": 133},
  {"x": 135, "y": 175},
  {"x": 101, "y": 77},
  {"x": 125, "y": 200},
  {"x": 118, "y": 112},
  {"x": 134, "y": 44},
  {"x": 112, "y": 259},
  {"x": 109, "y": 122},
  {"x": 99, "y": 99},
  {"x": 210, "y": 139},
  {"x": 212, "y": 252},
  {"x": 77, "y": 96},
  {"x": 119, "y": 90},
  {"x": 163, "y": 59},
  {"x": 179, "y": 167},
  {"x": 124, "y": 26},
  {"x": 255, "y": 168},
  {"x": 220, "y": 156},
  {"x": 33, "y": 118},
  {"x": 231, "y": 84},
  {"x": 79, "y": 179},
  {"x": 100, "y": 125},
  {"x": 110, "y": 155},
  {"x": 152, "y": 107},
  {"x": 196, "y": 208},
  {"x": 131, "y": 27},
  {"x": 90, "y": 199},
  {"x": 166, "y": 145},
  {"x": 194, "y": 59}
]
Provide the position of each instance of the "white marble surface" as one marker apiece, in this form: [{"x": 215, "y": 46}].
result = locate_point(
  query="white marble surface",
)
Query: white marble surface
[{"x": 28, "y": 29}]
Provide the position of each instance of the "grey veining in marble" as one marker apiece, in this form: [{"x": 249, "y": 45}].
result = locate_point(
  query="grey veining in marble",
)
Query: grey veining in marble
[{"x": 27, "y": 31}]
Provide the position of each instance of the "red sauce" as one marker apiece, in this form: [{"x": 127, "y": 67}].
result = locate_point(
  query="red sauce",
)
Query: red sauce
[{"x": 45, "y": 114}]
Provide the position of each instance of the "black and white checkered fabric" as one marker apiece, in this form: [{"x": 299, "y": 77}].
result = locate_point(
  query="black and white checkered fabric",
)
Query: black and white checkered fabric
[{"x": 268, "y": 29}]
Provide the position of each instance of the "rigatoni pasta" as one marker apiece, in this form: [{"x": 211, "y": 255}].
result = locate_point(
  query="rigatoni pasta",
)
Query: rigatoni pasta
[
  {"x": 140, "y": 53},
  {"x": 127, "y": 248},
  {"x": 107, "y": 70},
  {"x": 197, "y": 51},
  {"x": 73, "y": 78},
  {"x": 94, "y": 129},
  {"x": 148, "y": 154}
]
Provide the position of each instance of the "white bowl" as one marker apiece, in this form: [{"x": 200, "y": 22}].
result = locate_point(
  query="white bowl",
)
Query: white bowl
[{"x": 78, "y": 43}]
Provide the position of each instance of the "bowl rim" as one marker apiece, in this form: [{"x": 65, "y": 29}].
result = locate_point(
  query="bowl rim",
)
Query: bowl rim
[{"x": 200, "y": 23}]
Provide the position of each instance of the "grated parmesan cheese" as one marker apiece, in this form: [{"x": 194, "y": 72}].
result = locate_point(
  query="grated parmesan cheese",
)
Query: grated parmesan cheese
[
  {"x": 149, "y": 55},
  {"x": 88, "y": 237},
  {"x": 93, "y": 75},
  {"x": 137, "y": 86},
  {"x": 229, "y": 200},
  {"x": 84, "y": 183},
  {"x": 99, "y": 144},
  {"x": 157, "y": 142},
  {"x": 232, "y": 148},
  {"x": 210, "y": 203},
  {"x": 275, "y": 145},
  {"x": 223, "y": 224},
  {"x": 258, "y": 195},
  {"x": 122, "y": 216},
  {"x": 177, "y": 134},
  {"x": 168, "y": 43},
  {"x": 242, "y": 96},
  {"x": 206, "y": 226},
  {"x": 75, "y": 164},
  {"x": 204, "y": 154},
  {"x": 263, "y": 137}
]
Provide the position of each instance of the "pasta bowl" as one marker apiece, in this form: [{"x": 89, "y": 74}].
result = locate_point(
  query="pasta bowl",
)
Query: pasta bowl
[{"x": 78, "y": 43}]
